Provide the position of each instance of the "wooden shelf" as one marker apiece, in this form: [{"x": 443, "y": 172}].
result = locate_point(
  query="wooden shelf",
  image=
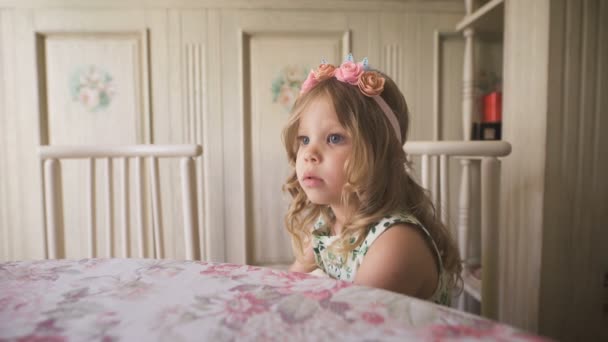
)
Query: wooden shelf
[{"x": 487, "y": 18}]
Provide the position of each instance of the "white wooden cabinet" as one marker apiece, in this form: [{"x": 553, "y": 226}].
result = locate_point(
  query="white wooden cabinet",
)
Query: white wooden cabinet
[{"x": 191, "y": 71}]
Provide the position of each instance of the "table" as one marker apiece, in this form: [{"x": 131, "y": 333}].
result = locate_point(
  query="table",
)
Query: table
[{"x": 172, "y": 300}]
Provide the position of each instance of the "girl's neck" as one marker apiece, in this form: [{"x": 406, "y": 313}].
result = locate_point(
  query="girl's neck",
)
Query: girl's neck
[{"x": 340, "y": 218}]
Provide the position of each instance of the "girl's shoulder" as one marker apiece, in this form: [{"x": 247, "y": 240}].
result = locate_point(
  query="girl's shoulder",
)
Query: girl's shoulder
[
  {"x": 441, "y": 294},
  {"x": 387, "y": 222}
]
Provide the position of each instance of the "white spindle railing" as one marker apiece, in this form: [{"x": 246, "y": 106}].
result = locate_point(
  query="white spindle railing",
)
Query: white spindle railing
[
  {"x": 51, "y": 156},
  {"x": 488, "y": 152}
]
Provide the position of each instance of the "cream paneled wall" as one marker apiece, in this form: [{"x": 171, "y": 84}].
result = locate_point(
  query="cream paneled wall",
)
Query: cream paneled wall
[
  {"x": 195, "y": 71},
  {"x": 555, "y": 190}
]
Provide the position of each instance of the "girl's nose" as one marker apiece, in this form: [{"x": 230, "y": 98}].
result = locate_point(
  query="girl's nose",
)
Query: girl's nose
[{"x": 311, "y": 155}]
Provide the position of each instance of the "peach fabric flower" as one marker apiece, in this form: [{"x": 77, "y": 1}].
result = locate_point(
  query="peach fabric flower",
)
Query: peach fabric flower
[
  {"x": 309, "y": 83},
  {"x": 371, "y": 83},
  {"x": 325, "y": 71},
  {"x": 349, "y": 72}
]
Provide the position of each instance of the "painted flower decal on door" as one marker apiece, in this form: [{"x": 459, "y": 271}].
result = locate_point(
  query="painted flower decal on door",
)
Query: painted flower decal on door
[
  {"x": 92, "y": 87},
  {"x": 286, "y": 86}
]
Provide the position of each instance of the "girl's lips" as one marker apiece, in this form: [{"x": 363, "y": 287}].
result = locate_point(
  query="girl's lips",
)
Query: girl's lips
[{"x": 311, "y": 182}]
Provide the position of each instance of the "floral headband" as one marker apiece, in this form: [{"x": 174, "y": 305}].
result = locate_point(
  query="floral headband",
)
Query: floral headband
[{"x": 370, "y": 83}]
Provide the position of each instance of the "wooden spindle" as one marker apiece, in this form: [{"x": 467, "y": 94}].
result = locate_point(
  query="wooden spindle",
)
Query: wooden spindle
[
  {"x": 490, "y": 176},
  {"x": 124, "y": 194},
  {"x": 434, "y": 180},
  {"x": 424, "y": 170},
  {"x": 54, "y": 205},
  {"x": 156, "y": 213},
  {"x": 109, "y": 208},
  {"x": 463, "y": 219},
  {"x": 139, "y": 199},
  {"x": 91, "y": 218},
  {"x": 191, "y": 237},
  {"x": 444, "y": 187}
]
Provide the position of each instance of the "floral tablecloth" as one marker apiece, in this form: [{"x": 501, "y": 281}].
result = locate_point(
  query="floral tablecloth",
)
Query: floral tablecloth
[{"x": 149, "y": 300}]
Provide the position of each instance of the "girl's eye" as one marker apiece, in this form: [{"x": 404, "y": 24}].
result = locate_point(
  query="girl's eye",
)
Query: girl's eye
[
  {"x": 304, "y": 140},
  {"x": 335, "y": 138}
]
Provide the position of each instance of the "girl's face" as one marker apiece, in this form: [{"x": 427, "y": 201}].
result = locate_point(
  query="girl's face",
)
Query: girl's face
[{"x": 324, "y": 147}]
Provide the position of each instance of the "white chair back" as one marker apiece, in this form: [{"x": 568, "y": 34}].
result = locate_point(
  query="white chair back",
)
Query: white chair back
[
  {"x": 434, "y": 176},
  {"x": 51, "y": 157}
]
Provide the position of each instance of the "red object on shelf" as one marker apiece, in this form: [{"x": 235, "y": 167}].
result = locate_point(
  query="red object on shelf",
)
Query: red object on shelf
[{"x": 492, "y": 107}]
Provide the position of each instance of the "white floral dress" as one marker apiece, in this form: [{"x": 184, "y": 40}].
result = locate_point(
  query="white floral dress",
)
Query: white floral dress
[{"x": 336, "y": 267}]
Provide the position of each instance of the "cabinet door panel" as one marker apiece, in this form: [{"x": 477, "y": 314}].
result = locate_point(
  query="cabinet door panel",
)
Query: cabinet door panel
[
  {"x": 273, "y": 52},
  {"x": 83, "y": 79}
]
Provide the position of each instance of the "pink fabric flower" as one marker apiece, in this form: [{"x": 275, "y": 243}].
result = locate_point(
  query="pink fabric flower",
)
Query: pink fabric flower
[
  {"x": 371, "y": 83},
  {"x": 325, "y": 71},
  {"x": 349, "y": 72},
  {"x": 309, "y": 83}
]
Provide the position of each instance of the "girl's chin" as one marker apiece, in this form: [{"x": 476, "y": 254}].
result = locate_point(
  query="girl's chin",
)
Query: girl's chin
[
  {"x": 315, "y": 199},
  {"x": 318, "y": 200}
]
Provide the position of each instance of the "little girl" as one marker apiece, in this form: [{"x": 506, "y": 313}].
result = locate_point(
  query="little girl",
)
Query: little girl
[{"x": 356, "y": 213}]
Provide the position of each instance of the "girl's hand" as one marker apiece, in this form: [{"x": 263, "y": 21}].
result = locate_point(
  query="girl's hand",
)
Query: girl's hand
[{"x": 308, "y": 264}]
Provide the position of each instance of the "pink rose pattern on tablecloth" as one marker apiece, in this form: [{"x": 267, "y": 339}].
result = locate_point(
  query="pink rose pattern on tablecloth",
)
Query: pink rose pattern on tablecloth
[{"x": 97, "y": 299}]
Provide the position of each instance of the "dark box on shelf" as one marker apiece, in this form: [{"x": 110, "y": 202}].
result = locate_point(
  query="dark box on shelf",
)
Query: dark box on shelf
[{"x": 487, "y": 131}]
